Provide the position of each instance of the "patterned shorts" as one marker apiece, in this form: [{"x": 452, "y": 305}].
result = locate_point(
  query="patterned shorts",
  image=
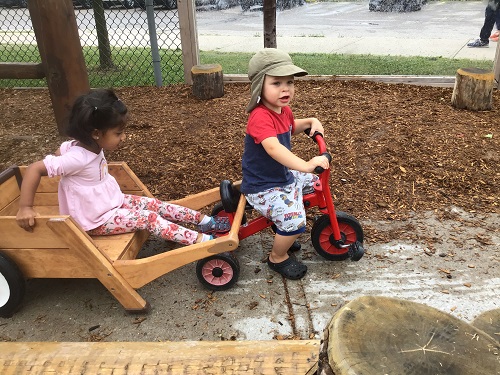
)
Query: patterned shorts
[{"x": 284, "y": 205}]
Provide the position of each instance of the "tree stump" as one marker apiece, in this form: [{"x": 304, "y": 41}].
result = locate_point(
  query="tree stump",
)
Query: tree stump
[
  {"x": 489, "y": 322},
  {"x": 473, "y": 89},
  {"x": 381, "y": 335},
  {"x": 207, "y": 81}
]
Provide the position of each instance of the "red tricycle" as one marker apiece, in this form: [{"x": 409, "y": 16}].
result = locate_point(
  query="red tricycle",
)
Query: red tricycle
[{"x": 335, "y": 235}]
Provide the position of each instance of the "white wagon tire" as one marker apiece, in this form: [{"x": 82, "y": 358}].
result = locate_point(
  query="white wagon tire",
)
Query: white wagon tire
[{"x": 12, "y": 287}]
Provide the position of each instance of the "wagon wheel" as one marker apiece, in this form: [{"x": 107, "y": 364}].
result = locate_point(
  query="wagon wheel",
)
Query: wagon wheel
[
  {"x": 489, "y": 322},
  {"x": 218, "y": 272},
  {"x": 12, "y": 287},
  {"x": 373, "y": 334}
]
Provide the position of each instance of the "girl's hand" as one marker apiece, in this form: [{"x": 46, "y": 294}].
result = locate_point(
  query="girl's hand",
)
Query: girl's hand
[
  {"x": 318, "y": 161},
  {"x": 26, "y": 218}
]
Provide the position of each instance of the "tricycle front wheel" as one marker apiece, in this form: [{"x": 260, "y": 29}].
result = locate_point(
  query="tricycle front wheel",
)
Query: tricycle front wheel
[
  {"x": 322, "y": 236},
  {"x": 12, "y": 287},
  {"x": 218, "y": 272}
]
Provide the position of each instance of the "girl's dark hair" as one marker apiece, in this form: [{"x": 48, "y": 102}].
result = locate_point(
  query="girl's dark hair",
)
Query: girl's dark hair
[{"x": 99, "y": 109}]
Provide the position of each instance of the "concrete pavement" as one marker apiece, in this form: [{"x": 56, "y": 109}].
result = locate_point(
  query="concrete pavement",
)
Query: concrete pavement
[
  {"x": 439, "y": 29},
  {"x": 457, "y": 272},
  {"x": 452, "y": 268}
]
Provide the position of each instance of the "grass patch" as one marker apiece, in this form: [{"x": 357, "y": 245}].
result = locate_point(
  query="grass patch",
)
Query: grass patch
[
  {"x": 339, "y": 64},
  {"x": 133, "y": 66}
]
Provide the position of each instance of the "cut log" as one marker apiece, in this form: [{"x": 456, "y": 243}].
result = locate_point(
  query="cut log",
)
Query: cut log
[
  {"x": 473, "y": 89},
  {"x": 489, "y": 322},
  {"x": 269, "y": 357},
  {"x": 207, "y": 81},
  {"x": 381, "y": 335}
]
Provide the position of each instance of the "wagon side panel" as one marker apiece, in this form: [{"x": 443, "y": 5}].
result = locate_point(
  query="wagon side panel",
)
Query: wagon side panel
[{"x": 41, "y": 253}]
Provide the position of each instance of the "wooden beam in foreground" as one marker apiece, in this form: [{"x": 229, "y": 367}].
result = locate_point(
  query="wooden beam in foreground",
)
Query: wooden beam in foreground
[{"x": 294, "y": 357}]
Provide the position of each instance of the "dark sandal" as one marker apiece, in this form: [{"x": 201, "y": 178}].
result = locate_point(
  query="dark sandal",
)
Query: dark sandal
[{"x": 289, "y": 268}]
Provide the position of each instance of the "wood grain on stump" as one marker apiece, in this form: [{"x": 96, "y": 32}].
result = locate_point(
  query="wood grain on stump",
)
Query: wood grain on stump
[
  {"x": 381, "y": 335},
  {"x": 207, "y": 81},
  {"x": 489, "y": 322},
  {"x": 473, "y": 89}
]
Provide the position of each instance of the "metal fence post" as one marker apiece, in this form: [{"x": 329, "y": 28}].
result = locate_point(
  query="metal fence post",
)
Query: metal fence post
[{"x": 154, "y": 43}]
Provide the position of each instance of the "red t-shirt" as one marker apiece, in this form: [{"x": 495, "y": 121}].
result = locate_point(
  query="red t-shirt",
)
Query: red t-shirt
[{"x": 261, "y": 171}]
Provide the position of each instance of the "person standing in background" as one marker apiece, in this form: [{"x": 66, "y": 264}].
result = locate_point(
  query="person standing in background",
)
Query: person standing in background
[{"x": 491, "y": 15}]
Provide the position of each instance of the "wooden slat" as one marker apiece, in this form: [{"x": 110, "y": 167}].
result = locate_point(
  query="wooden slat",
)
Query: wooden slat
[
  {"x": 11, "y": 208},
  {"x": 9, "y": 192},
  {"x": 186, "y": 357},
  {"x": 46, "y": 210},
  {"x": 14, "y": 237},
  {"x": 127, "y": 179},
  {"x": 437, "y": 81},
  {"x": 199, "y": 200},
  {"x": 46, "y": 199},
  {"x": 121, "y": 246},
  {"x": 82, "y": 243},
  {"x": 47, "y": 184},
  {"x": 19, "y": 70},
  {"x": 43, "y": 263}
]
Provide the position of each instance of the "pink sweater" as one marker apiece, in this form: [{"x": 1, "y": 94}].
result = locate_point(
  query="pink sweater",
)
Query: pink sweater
[{"x": 87, "y": 191}]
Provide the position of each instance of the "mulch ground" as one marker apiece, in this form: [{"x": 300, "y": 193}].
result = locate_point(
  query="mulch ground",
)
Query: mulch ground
[{"x": 397, "y": 149}]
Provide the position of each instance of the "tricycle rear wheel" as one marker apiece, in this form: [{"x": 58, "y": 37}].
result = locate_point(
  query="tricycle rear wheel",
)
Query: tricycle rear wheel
[
  {"x": 322, "y": 236},
  {"x": 218, "y": 272},
  {"x": 12, "y": 287}
]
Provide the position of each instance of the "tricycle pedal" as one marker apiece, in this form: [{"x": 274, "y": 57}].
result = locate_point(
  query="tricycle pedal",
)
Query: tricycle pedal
[{"x": 356, "y": 251}]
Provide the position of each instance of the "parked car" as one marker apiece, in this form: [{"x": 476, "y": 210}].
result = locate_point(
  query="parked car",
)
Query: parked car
[
  {"x": 280, "y": 4},
  {"x": 168, "y": 4},
  {"x": 87, "y": 4},
  {"x": 14, "y": 3}
]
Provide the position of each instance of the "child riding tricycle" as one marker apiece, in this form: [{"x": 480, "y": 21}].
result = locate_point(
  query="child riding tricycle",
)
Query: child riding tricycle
[{"x": 335, "y": 235}]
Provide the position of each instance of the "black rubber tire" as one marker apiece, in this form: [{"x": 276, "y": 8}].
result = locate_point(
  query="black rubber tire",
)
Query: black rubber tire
[
  {"x": 128, "y": 4},
  {"x": 322, "y": 235},
  {"x": 12, "y": 287},
  {"x": 218, "y": 272}
]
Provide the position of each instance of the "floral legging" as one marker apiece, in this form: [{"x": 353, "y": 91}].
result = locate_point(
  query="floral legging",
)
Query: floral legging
[{"x": 153, "y": 215}]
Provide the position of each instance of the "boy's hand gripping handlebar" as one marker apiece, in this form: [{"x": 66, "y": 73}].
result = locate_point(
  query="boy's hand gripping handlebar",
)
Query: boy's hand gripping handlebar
[{"x": 318, "y": 138}]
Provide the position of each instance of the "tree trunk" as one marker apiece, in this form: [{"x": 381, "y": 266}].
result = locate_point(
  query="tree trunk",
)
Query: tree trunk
[
  {"x": 105, "y": 59},
  {"x": 56, "y": 32},
  {"x": 270, "y": 24}
]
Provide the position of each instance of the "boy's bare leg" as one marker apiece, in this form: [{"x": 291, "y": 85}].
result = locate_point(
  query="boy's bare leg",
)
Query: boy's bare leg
[{"x": 280, "y": 247}]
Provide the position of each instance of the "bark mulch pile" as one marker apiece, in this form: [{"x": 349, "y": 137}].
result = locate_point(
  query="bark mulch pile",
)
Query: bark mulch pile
[{"x": 397, "y": 149}]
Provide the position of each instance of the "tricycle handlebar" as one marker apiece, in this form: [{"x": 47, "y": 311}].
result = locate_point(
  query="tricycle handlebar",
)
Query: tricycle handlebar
[{"x": 318, "y": 138}]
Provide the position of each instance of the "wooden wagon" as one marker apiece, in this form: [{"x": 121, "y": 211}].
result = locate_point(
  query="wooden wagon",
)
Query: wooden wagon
[{"x": 59, "y": 248}]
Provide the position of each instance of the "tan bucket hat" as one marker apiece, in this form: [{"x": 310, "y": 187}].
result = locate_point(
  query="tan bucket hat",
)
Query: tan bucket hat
[{"x": 273, "y": 62}]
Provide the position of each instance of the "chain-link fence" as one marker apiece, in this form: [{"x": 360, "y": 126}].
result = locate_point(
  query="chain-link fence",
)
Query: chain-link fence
[{"x": 115, "y": 40}]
